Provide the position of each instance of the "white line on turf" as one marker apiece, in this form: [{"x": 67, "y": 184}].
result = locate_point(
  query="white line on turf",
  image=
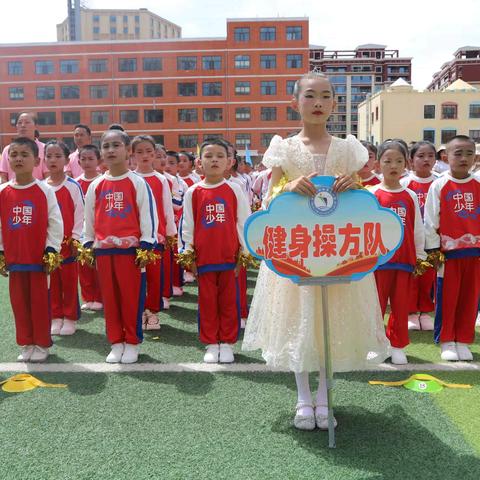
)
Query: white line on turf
[{"x": 212, "y": 368}]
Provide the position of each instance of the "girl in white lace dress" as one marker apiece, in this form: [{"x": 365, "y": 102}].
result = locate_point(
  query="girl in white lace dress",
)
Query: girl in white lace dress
[{"x": 285, "y": 320}]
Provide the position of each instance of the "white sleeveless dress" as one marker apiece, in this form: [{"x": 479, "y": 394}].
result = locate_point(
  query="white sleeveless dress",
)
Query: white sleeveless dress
[{"x": 285, "y": 320}]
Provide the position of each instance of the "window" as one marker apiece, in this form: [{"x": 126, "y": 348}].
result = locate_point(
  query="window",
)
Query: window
[
  {"x": 366, "y": 79},
  {"x": 187, "y": 115},
  {"x": 212, "y": 63},
  {"x": 98, "y": 91},
  {"x": 290, "y": 86},
  {"x": 113, "y": 30},
  {"x": 127, "y": 64},
  {"x": 44, "y": 68},
  {"x": 268, "y": 61},
  {"x": 429, "y": 135},
  {"x": 152, "y": 90},
  {"x": 474, "y": 135},
  {"x": 46, "y": 118},
  {"x": 449, "y": 111},
  {"x": 125, "y": 19},
  {"x": 212, "y": 114},
  {"x": 268, "y": 33},
  {"x": 212, "y": 136},
  {"x": 447, "y": 135},
  {"x": 266, "y": 139},
  {"x": 242, "y": 114},
  {"x": 129, "y": 90},
  {"x": 125, "y": 29},
  {"x": 187, "y": 141},
  {"x": 338, "y": 79},
  {"x": 361, "y": 68},
  {"x": 335, "y": 69},
  {"x": 153, "y": 116},
  {"x": 128, "y": 116},
  {"x": 45, "y": 93},
  {"x": 187, "y": 89},
  {"x": 159, "y": 139},
  {"x": 100, "y": 118},
  {"x": 152, "y": 64},
  {"x": 96, "y": 18},
  {"x": 69, "y": 66},
  {"x": 137, "y": 18},
  {"x": 70, "y": 118},
  {"x": 212, "y": 89},
  {"x": 241, "y": 34},
  {"x": 242, "y": 140},
  {"x": 15, "y": 68},
  {"x": 242, "y": 88},
  {"x": 294, "y": 33},
  {"x": 186, "y": 63},
  {"x": 268, "y": 88},
  {"x": 268, "y": 114},
  {"x": 474, "y": 110},
  {"x": 96, "y": 30},
  {"x": 242, "y": 61},
  {"x": 294, "y": 61},
  {"x": 97, "y": 66},
  {"x": 70, "y": 91},
  {"x": 16, "y": 93},
  {"x": 113, "y": 19},
  {"x": 292, "y": 114},
  {"x": 429, "y": 111}
]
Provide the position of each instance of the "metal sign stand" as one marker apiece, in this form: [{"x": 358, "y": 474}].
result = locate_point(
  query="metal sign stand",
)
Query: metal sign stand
[{"x": 324, "y": 282}]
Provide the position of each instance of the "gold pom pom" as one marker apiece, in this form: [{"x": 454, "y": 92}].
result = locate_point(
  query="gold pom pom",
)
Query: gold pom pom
[
  {"x": 3, "y": 265},
  {"x": 436, "y": 258},
  {"x": 85, "y": 256},
  {"x": 145, "y": 257},
  {"x": 421, "y": 267},
  {"x": 279, "y": 187},
  {"x": 246, "y": 260},
  {"x": 186, "y": 259},
  {"x": 170, "y": 241},
  {"x": 52, "y": 261}
]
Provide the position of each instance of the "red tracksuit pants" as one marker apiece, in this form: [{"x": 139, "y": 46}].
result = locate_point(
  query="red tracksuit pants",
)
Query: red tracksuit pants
[
  {"x": 460, "y": 293},
  {"x": 30, "y": 304},
  {"x": 395, "y": 285},
  {"x": 121, "y": 282},
  {"x": 64, "y": 292},
  {"x": 154, "y": 275},
  {"x": 89, "y": 284},
  {"x": 167, "y": 263},
  {"x": 421, "y": 291},
  {"x": 177, "y": 270},
  {"x": 218, "y": 309},
  {"x": 242, "y": 291}
]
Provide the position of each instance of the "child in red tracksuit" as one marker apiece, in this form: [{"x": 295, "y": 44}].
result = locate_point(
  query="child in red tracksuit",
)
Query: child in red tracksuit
[
  {"x": 211, "y": 231},
  {"x": 452, "y": 225},
  {"x": 121, "y": 225},
  {"x": 64, "y": 281},
  {"x": 394, "y": 277},
  {"x": 89, "y": 160},
  {"x": 31, "y": 225}
]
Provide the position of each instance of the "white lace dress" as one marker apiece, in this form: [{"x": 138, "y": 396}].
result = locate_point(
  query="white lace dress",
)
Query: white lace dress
[{"x": 285, "y": 320}]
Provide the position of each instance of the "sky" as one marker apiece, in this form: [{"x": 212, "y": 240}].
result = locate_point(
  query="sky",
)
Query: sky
[{"x": 429, "y": 31}]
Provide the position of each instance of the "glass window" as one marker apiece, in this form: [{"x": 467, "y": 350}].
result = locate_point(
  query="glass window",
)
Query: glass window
[
  {"x": 127, "y": 64},
  {"x": 429, "y": 135},
  {"x": 429, "y": 111},
  {"x": 242, "y": 61},
  {"x": 16, "y": 93},
  {"x": 268, "y": 114},
  {"x": 294, "y": 33},
  {"x": 212, "y": 63},
  {"x": 241, "y": 34},
  {"x": 449, "y": 111},
  {"x": 153, "y": 116},
  {"x": 187, "y": 89},
  {"x": 338, "y": 79},
  {"x": 125, "y": 29},
  {"x": 362, "y": 79},
  {"x": 335, "y": 69},
  {"x": 70, "y": 91},
  {"x": 266, "y": 139},
  {"x": 212, "y": 114},
  {"x": 96, "y": 30},
  {"x": 152, "y": 90},
  {"x": 474, "y": 110},
  {"x": 187, "y": 141},
  {"x": 290, "y": 86},
  {"x": 70, "y": 118},
  {"x": 137, "y": 18},
  {"x": 268, "y": 61},
  {"x": 128, "y": 116},
  {"x": 242, "y": 113},
  {"x": 186, "y": 63},
  {"x": 152, "y": 64},
  {"x": 69, "y": 66},
  {"x": 243, "y": 139},
  {"x": 45, "y": 93},
  {"x": 13, "y": 119},
  {"x": 187, "y": 115},
  {"x": 268, "y": 87},
  {"x": 15, "y": 68},
  {"x": 211, "y": 136},
  {"x": 292, "y": 114},
  {"x": 44, "y": 68},
  {"x": 96, "y": 18},
  {"x": 242, "y": 88},
  {"x": 46, "y": 118},
  {"x": 98, "y": 91},
  {"x": 294, "y": 61},
  {"x": 113, "y": 18},
  {"x": 159, "y": 139},
  {"x": 129, "y": 90},
  {"x": 268, "y": 33},
  {"x": 212, "y": 89},
  {"x": 97, "y": 66},
  {"x": 100, "y": 117},
  {"x": 474, "y": 135},
  {"x": 113, "y": 30},
  {"x": 447, "y": 135}
]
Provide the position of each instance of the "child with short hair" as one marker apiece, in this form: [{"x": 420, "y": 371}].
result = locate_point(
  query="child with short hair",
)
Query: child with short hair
[
  {"x": 185, "y": 168},
  {"x": 64, "y": 281},
  {"x": 211, "y": 239},
  {"x": 452, "y": 224},
  {"x": 89, "y": 160},
  {"x": 31, "y": 226},
  {"x": 368, "y": 177},
  {"x": 121, "y": 225}
]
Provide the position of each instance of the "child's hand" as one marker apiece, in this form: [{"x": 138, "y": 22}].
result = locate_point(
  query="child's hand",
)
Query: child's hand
[
  {"x": 344, "y": 183},
  {"x": 194, "y": 270},
  {"x": 302, "y": 185},
  {"x": 436, "y": 258}
]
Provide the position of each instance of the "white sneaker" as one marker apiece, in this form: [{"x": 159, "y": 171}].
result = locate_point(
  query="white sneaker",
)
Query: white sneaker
[
  {"x": 398, "y": 356},
  {"x": 303, "y": 421},
  {"x": 116, "y": 353},
  {"x": 243, "y": 323},
  {"x": 211, "y": 355},
  {"x": 39, "y": 354},
  {"x": 166, "y": 303},
  {"x": 130, "y": 354},
  {"x": 464, "y": 353},
  {"x": 449, "y": 352},
  {"x": 177, "y": 291},
  {"x": 426, "y": 321},
  {"x": 86, "y": 306},
  {"x": 188, "y": 277},
  {"x": 226, "y": 353},
  {"x": 413, "y": 322},
  {"x": 96, "y": 306},
  {"x": 477, "y": 323},
  {"x": 25, "y": 353},
  {"x": 321, "y": 417},
  {"x": 69, "y": 327},
  {"x": 57, "y": 324}
]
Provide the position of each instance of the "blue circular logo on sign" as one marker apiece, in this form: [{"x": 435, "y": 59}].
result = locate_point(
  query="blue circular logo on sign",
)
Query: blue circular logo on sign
[{"x": 324, "y": 202}]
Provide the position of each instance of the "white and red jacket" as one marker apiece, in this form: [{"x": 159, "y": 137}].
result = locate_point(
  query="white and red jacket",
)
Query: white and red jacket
[
  {"x": 85, "y": 182},
  {"x": 190, "y": 179},
  {"x": 420, "y": 186},
  {"x": 371, "y": 181}
]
